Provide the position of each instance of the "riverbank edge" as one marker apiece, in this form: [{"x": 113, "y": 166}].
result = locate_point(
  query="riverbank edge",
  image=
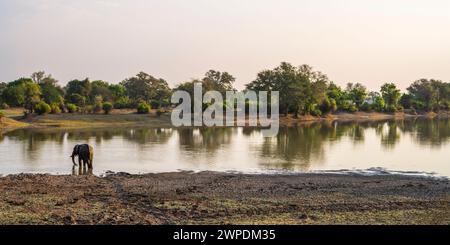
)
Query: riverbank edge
[
  {"x": 223, "y": 198},
  {"x": 118, "y": 119}
]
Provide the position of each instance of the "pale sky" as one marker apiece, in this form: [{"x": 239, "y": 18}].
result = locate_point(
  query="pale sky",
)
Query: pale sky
[{"x": 367, "y": 41}]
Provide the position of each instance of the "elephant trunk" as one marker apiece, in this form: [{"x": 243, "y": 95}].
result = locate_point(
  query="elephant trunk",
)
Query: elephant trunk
[{"x": 73, "y": 159}]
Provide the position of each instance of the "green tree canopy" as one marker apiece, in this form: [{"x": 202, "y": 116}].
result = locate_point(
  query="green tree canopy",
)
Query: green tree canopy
[
  {"x": 391, "y": 94},
  {"x": 357, "y": 93}
]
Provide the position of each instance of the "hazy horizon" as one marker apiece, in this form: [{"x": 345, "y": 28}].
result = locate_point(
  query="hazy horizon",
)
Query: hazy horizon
[{"x": 365, "y": 41}]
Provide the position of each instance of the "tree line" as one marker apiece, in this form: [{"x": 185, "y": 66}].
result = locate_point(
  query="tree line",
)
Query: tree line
[{"x": 302, "y": 90}]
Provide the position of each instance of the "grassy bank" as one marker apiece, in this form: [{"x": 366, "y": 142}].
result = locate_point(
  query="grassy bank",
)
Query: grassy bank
[
  {"x": 220, "y": 198},
  {"x": 128, "y": 118}
]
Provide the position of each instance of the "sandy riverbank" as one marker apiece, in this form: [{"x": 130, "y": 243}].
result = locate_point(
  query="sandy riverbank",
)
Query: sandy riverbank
[{"x": 223, "y": 198}]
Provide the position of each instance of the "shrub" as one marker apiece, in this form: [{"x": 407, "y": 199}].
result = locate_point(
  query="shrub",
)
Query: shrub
[
  {"x": 107, "y": 107},
  {"x": 328, "y": 105},
  {"x": 97, "y": 108},
  {"x": 1, "y": 114},
  {"x": 72, "y": 108},
  {"x": 154, "y": 104},
  {"x": 122, "y": 102},
  {"x": 353, "y": 108},
  {"x": 89, "y": 109},
  {"x": 78, "y": 100},
  {"x": 391, "y": 109},
  {"x": 379, "y": 104},
  {"x": 348, "y": 106},
  {"x": 55, "y": 109},
  {"x": 316, "y": 112},
  {"x": 143, "y": 108},
  {"x": 98, "y": 105},
  {"x": 4, "y": 106},
  {"x": 42, "y": 108},
  {"x": 366, "y": 107}
]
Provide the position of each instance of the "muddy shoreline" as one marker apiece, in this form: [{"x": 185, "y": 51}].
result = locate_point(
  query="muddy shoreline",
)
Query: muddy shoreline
[{"x": 224, "y": 198}]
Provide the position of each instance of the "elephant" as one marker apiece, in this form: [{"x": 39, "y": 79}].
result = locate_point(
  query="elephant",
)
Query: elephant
[{"x": 85, "y": 155}]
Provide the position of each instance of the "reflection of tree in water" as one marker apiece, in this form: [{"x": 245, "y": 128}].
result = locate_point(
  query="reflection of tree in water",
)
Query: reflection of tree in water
[
  {"x": 141, "y": 135},
  {"x": 35, "y": 139},
  {"x": 388, "y": 133},
  {"x": 434, "y": 132},
  {"x": 294, "y": 147},
  {"x": 144, "y": 136},
  {"x": 201, "y": 139},
  {"x": 298, "y": 145}
]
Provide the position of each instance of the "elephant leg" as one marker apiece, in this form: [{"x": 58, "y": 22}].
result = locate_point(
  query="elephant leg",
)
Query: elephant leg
[{"x": 90, "y": 162}]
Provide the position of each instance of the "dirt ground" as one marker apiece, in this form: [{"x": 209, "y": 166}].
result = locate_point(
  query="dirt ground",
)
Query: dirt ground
[{"x": 223, "y": 198}]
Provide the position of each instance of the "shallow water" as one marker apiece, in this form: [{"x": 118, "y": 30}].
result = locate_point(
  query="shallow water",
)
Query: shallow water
[{"x": 420, "y": 145}]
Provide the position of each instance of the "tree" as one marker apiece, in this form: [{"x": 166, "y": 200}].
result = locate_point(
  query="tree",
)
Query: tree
[
  {"x": 218, "y": 81},
  {"x": 80, "y": 87},
  {"x": 101, "y": 88},
  {"x": 107, "y": 107},
  {"x": 38, "y": 76},
  {"x": 425, "y": 94},
  {"x": 32, "y": 95},
  {"x": 117, "y": 90},
  {"x": 336, "y": 93},
  {"x": 3, "y": 86},
  {"x": 160, "y": 91},
  {"x": 144, "y": 87},
  {"x": 14, "y": 93},
  {"x": 301, "y": 89},
  {"x": 391, "y": 95},
  {"x": 139, "y": 87},
  {"x": 52, "y": 93},
  {"x": 356, "y": 93},
  {"x": 77, "y": 99}
]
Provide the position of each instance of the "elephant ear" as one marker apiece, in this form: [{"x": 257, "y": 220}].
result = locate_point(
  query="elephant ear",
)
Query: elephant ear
[{"x": 76, "y": 150}]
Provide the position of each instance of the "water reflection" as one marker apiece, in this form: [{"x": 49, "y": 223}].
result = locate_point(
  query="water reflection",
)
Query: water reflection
[
  {"x": 402, "y": 145},
  {"x": 80, "y": 170}
]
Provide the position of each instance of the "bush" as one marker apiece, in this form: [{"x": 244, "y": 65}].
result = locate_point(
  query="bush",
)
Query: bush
[
  {"x": 78, "y": 100},
  {"x": 353, "y": 108},
  {"x": 348, "y": 106},
  {"x": 98, "y": 105},
  {"x": 72, "y": 108},
  {"x": 316, "y": 112},
  {"x": 97, "y": 108},
  {"x": 4, "y": 106},
  {"x": 107, "y": 107},
  {"x": 55, "y": 109},
  {"x": 89, "y": 109},
  {"x": 1, "y": 114},
  {"x": 143, "y": 108},
  {"x": 326, "y": 106},
  {"x": 122, "y": 103},
  {"x": 391, "y": 109},
  {"x": 366, "y": 107},
  {"x": 154, "y": 104},
  {"x": 42, "y": 108}
]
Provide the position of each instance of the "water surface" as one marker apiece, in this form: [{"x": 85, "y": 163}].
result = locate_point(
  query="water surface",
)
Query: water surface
[{"x": 410, "y": 145}]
